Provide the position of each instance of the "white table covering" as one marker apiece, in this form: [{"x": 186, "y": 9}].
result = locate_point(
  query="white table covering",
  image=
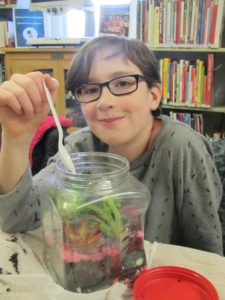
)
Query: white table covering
[{"x": 30, "y": 279}]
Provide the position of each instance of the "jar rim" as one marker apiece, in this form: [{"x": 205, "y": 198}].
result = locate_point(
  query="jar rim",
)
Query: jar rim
[{"x": 121, "y": 163}]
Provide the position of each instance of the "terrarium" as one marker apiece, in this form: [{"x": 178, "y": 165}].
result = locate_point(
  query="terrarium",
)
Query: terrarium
[{"x": 93, "y": 222}]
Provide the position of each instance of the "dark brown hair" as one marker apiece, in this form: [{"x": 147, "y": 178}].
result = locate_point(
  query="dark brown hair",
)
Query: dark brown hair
[{"x": 130, "y": 49}]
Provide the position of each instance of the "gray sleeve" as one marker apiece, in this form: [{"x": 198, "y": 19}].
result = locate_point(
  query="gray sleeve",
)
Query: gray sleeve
[
  {"x": 20, "y": 209},
  {"x": 198, "y": 196}
]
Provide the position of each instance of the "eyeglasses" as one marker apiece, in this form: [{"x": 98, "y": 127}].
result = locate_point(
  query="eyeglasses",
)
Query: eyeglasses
[{"x": 122, "y": 85}]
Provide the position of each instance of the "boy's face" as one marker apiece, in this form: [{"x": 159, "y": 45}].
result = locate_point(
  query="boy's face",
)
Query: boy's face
[{"x": 125, "y": 120}]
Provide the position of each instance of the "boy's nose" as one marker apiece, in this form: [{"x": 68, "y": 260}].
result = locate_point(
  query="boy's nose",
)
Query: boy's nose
[{"x": 106, "y": 99}]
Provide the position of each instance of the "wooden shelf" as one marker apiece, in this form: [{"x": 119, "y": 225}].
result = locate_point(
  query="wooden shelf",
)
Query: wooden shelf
[
  {"x": 54, "y": 61},
  {"x": 7, "y": 6},
  {"x": 219, "y": 109},
  {"x": 183, "y": 49}
]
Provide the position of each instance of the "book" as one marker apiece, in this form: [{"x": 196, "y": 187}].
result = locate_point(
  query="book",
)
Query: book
[
  {"x": 182, "y": 21},
  {"x": 193, "y": 76},
  {"x": 178, "y": 19},
  {"x": 146, "y": 8},
  {"x": 178, "y": 85},
  {"x": 114, "y": 19},
  {"x": 189, "y": 96},
  {"x": 150, "y": 31},
  {"x": 219, "y": 24},
  {"x": 166, "y": 62},
  {"x": 156, "y": 26},
  {"x": 181, "y": 81},
  {"x": 2, "y": 34},
  {"x": 168, "y": 81},
  {"x": 196, "y": 22},
  {"x": 161, "y": 21},
  {"x": 213, "y": 23},
  {"x": 210, "y": 63},
  {"x": 171, "y": 91},
  {"x": 191, "y": 39},
  {"x": 206, "y": 25},
  {"x": 204, "y": 91},
  {"x": 202, "y": 22},
  {"x": 202, "y": 84},
  {"x": 209, "y": 22},
  {"x": 198, "y": 37}
]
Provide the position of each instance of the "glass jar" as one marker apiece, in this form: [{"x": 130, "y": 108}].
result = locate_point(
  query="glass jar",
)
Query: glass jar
[{"x": 93, "y": 222}]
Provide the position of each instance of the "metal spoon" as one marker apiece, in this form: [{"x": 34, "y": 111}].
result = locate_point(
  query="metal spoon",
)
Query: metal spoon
[{"x": 64, "y": 155}]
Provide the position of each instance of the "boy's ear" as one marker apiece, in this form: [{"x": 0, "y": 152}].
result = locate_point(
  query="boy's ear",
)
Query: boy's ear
[{"x": 156, "y": 95}]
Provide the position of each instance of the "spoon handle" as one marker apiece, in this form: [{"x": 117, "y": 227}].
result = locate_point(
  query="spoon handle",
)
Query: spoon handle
[
  {"x": 52, "y": 107},
  {"x": 65, "y": 157}
]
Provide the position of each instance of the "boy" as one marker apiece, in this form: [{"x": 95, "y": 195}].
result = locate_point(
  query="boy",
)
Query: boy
[{"x": 116, "y": 80}]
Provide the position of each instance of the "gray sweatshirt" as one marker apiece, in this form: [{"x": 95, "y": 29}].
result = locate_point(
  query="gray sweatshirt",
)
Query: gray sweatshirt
[{"x": 177, "y": 168}]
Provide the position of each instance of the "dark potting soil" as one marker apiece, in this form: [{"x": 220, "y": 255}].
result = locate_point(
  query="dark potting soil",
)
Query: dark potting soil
[
  {"x": 90, "y": 276},
  {"x": 86, "y": 276}
]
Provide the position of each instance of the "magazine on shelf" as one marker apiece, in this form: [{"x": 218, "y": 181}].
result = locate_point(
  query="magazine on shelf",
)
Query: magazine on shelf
[
  {"x": 28, "y": 24},
  {"x": 114, "y": 19}
]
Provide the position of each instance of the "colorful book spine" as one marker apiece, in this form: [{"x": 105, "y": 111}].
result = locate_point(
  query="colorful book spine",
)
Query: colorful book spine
[
  {"x": 219, "y": 23},
  {"x": 193, "y": 86},
  {"x": 213, "y": 23},
  {"x": 166, "y": 61},
  {"x": 178, "y": 85},
  {"x": 181, "y": 81},
  {"x": 146, "y": 8},
  {"x": 189, "y": 86},
  {"x": 161, "y": 22},
  {"x": 195, "y": 22},
  {"x": 202, "y": 84},
  {"x": 210, "y": 63},
  {"x": 156, "y": 26},
  {"x": 204, "y": 91},
  {"x": 191, "y": 39},
  {"x": 168, "y": 82},
  {"x": 178, "y": 21},
  {"x": 151, "y": 23}
]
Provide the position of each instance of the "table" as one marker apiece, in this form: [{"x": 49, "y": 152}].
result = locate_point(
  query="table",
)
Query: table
[{"x": 23, "y": 275}]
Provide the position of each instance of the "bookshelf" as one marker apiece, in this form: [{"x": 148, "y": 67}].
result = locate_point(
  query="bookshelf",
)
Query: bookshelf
[
  {"x": 187, "y": 32},
  {"x": 213, "y": 116}
]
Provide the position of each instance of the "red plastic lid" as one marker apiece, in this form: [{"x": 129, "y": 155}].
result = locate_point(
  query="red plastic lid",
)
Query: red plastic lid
[{"x": 173, "y": 283}]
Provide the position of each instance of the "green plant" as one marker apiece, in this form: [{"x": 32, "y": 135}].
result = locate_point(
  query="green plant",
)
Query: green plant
[
  {"x": 108, "y": 216},
  {"x": 105, "y": 212}
]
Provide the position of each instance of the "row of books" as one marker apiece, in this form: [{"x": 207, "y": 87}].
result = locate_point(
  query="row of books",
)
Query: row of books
[
  {"x": 2, "y": 70},
  {"x": 8, "y": 2},
  {"x": 196, "y": 121},
  {"x": 183, "y": 23},
  {"x": 185, "y": 83},
  {"x": 7, "y": 34}
]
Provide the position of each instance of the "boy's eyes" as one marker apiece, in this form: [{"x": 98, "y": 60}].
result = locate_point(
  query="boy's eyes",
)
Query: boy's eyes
[
  {"x": 123, "y": 83},
  {"x": 90, "y": 90}
]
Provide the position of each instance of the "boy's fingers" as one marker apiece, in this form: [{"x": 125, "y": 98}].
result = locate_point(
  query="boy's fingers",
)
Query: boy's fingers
[{"x": 9, "y": 99}]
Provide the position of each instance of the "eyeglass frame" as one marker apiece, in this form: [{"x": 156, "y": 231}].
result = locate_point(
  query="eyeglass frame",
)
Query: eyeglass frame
[{"x": 138, "y": 77}]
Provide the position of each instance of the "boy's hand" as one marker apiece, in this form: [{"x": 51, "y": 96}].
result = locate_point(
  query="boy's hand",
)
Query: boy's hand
[{"x": 23, "y": 103}]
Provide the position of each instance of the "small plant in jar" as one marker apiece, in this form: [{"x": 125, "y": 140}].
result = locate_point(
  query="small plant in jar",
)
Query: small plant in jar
[{"x": 99, "y": 243}]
